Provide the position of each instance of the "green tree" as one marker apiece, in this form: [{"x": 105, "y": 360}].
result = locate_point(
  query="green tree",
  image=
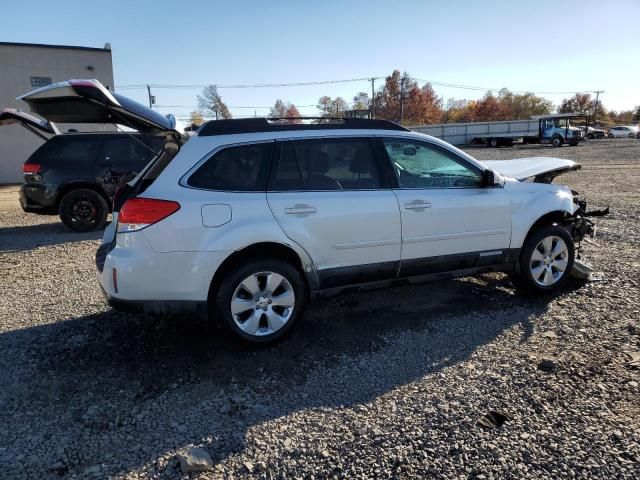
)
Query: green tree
[
  {"x": 211, "y": 103},
  {"x": 361, "y": 101},
  {"x": 523, "y": 106}
]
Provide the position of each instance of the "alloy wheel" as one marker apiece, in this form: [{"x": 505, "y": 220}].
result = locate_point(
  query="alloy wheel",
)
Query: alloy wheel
[
  {"x": 549, "y": 261},
  {"x": 262, "y": 303}
]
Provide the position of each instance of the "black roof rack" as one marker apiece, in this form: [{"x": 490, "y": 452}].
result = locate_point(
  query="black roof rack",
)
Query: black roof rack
[{"x": 256, "y": 125}]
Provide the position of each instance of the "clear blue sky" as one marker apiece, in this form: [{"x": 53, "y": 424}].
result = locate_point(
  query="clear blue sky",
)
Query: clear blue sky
[{"x": 522, "y": 45}]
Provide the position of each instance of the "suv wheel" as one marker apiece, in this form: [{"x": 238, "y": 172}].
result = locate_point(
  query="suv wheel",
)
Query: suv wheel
[
  {"x": 260, "y": 300},
  {"x": 83, "y": 210},
  {"x": 546, "y": 259}
]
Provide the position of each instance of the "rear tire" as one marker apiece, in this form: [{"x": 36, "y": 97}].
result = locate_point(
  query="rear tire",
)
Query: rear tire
[
  {"x": 546, "y": 260},
  {"x": 83, "y": 210},
  {"x": 260, "y": 300}
]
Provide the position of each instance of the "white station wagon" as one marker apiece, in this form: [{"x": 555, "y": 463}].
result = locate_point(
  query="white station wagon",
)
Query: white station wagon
[{"x": 251, "y": 218}]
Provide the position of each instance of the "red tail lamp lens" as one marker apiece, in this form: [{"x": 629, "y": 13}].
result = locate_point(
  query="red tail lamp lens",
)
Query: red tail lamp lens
[
  {"x": 146, "y": 211},
  {"x": 31, "y": 168}
]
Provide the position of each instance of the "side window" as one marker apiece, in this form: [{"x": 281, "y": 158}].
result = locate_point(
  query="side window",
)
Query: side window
[
  {"x": 327, "y": 164},
  {"x": 120, "y": 154},
  {"x": 74, "y": 150},
  {"x": 420, "y": 165},
  {"x": 242, "y": 168}
]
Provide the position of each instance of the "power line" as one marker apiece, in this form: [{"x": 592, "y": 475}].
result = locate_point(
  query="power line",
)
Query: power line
[
  {"x": 349, "y": 80},
  {"x": 228, "y": 106},
  {"x": 256, "y": 85}
]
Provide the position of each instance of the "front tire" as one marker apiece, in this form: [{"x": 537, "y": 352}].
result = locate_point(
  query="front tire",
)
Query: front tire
[
  {"x": 546, "y": 259},
  {"x": 260, "y": 300},
  {"x": 83, "y": 210},
  {"x": 556, "y": 142}
]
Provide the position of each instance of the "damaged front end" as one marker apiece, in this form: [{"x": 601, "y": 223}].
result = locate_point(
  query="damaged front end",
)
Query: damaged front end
[{"x": 581, "y": 226}]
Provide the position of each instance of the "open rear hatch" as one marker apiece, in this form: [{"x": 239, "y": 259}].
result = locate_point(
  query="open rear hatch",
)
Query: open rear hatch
[
  {"x": 37, "y": 126},
  {"x": 88, "y": 101}
]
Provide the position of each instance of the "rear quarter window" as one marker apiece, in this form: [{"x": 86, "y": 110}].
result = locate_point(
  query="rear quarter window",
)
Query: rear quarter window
[
  {"x": 64, "y": 151},
  {"x": 243, "y": 168}
]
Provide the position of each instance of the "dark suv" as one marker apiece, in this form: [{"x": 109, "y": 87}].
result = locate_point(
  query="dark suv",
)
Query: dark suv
[{"x": 77, "y": 174}]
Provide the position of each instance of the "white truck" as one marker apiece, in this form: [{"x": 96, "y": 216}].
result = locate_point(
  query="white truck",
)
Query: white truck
[{"x": 554, "y": 129}]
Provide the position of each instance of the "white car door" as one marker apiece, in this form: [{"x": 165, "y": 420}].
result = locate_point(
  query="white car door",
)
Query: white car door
[
  {"x": 330, "y": 197},
  {"x": 449, "y": 220}
]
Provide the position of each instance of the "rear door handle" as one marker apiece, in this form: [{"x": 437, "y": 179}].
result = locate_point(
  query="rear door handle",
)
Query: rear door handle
[
  {"x": 297, "y": 209},
  {"x": 417, "y": 205}
]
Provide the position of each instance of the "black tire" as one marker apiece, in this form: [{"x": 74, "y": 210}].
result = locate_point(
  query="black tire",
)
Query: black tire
[
  {"x": 590, "y": 136},
  {"x": 556, "y": 141},
  {"x": 610, "y": 135},
  {"x": 525, "y": 280},
  {"x": 83, "y": 210},
  {"x": 232, "y": 282},
  {"x": 493, "y": 142}
]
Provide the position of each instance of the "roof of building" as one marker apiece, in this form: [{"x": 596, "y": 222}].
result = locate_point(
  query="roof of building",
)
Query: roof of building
[{"x": 65, "y": 47}]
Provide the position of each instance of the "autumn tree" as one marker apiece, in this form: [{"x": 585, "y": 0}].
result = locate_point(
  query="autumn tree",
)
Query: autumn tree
[
  {"x": 401, "y": 99},
  {"x": 284, "y": 110},
  {"x": 423, "y": 106},
  {"x": 196, "y": 118},
  {"x": 523, "y": 106},
  {"x": 625, "y": 116},
  {"x": 387, "y": 99},
  {"x": 489, "y": 109},
  {"x": 332, "y": 107},
  {"x": 211, "y": 103}
]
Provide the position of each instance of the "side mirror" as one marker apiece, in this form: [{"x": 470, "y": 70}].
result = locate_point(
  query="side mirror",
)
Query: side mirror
[
  {"x": 409, "y": 151},
  {"x": 490, "y": 178}
]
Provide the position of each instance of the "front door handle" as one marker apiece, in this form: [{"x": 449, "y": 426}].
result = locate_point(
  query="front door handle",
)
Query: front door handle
[
  {"x": 417, "y": 205},
  {"x": 300, "y": 208}
]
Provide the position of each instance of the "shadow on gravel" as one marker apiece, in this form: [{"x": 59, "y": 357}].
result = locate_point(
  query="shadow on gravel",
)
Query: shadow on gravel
[
  {"x": 146, "y": 376},
  {"x": 28, "y": 237}
]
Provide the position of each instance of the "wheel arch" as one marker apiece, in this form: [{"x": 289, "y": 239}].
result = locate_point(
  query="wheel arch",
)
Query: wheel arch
[
  {"x": 549, "y": 218},
  {"x": 263, "y": 250},
  {"x": 69, "y": 187}
]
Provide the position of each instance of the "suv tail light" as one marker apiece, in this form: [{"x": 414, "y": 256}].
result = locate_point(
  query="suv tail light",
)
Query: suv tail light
[
  {"x": 31, "y": 168},
  {"x": 138, "y": 213}
]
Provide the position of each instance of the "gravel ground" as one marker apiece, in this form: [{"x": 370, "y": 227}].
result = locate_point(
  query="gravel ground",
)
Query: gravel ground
[{"x": 457, "y": 379}]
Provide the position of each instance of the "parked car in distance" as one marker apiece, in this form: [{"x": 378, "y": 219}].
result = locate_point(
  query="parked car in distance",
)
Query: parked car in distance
[
  {"x": 591, "y": 132},
  {"x": 252, "y": 218},
  {"x": 77, "y": 174},
  {"x": 625, "y": 131}
]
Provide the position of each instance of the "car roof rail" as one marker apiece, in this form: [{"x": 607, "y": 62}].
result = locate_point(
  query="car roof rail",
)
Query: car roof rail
[{"x": 282, "y": 124}]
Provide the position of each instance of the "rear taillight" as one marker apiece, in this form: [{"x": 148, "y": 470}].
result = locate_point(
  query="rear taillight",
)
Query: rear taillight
[
  {"x": 31, "y": 168},
  {"x": 137, "y": 213}
]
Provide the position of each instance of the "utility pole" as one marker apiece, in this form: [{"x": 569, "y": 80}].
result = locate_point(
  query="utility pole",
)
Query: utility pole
[
  {"x": 373, "y": 96},
  {"x": 151, "y": 99},
  {"x": 401, "y": 99},
  {"x": 595, "y": 110}
]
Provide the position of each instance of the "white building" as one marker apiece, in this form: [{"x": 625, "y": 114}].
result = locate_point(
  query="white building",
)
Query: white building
[{"x": 26, "y": 66}]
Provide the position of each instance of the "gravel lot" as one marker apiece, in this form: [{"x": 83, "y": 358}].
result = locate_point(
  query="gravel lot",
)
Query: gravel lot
[{"x": 383, "y": 384}]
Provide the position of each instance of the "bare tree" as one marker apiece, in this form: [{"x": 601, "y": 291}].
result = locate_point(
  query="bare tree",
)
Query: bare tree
[{"x": 211, "y": 103}]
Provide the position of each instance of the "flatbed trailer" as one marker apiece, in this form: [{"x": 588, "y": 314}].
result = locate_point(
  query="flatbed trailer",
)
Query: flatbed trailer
[{"x": 553, "y": 129}]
